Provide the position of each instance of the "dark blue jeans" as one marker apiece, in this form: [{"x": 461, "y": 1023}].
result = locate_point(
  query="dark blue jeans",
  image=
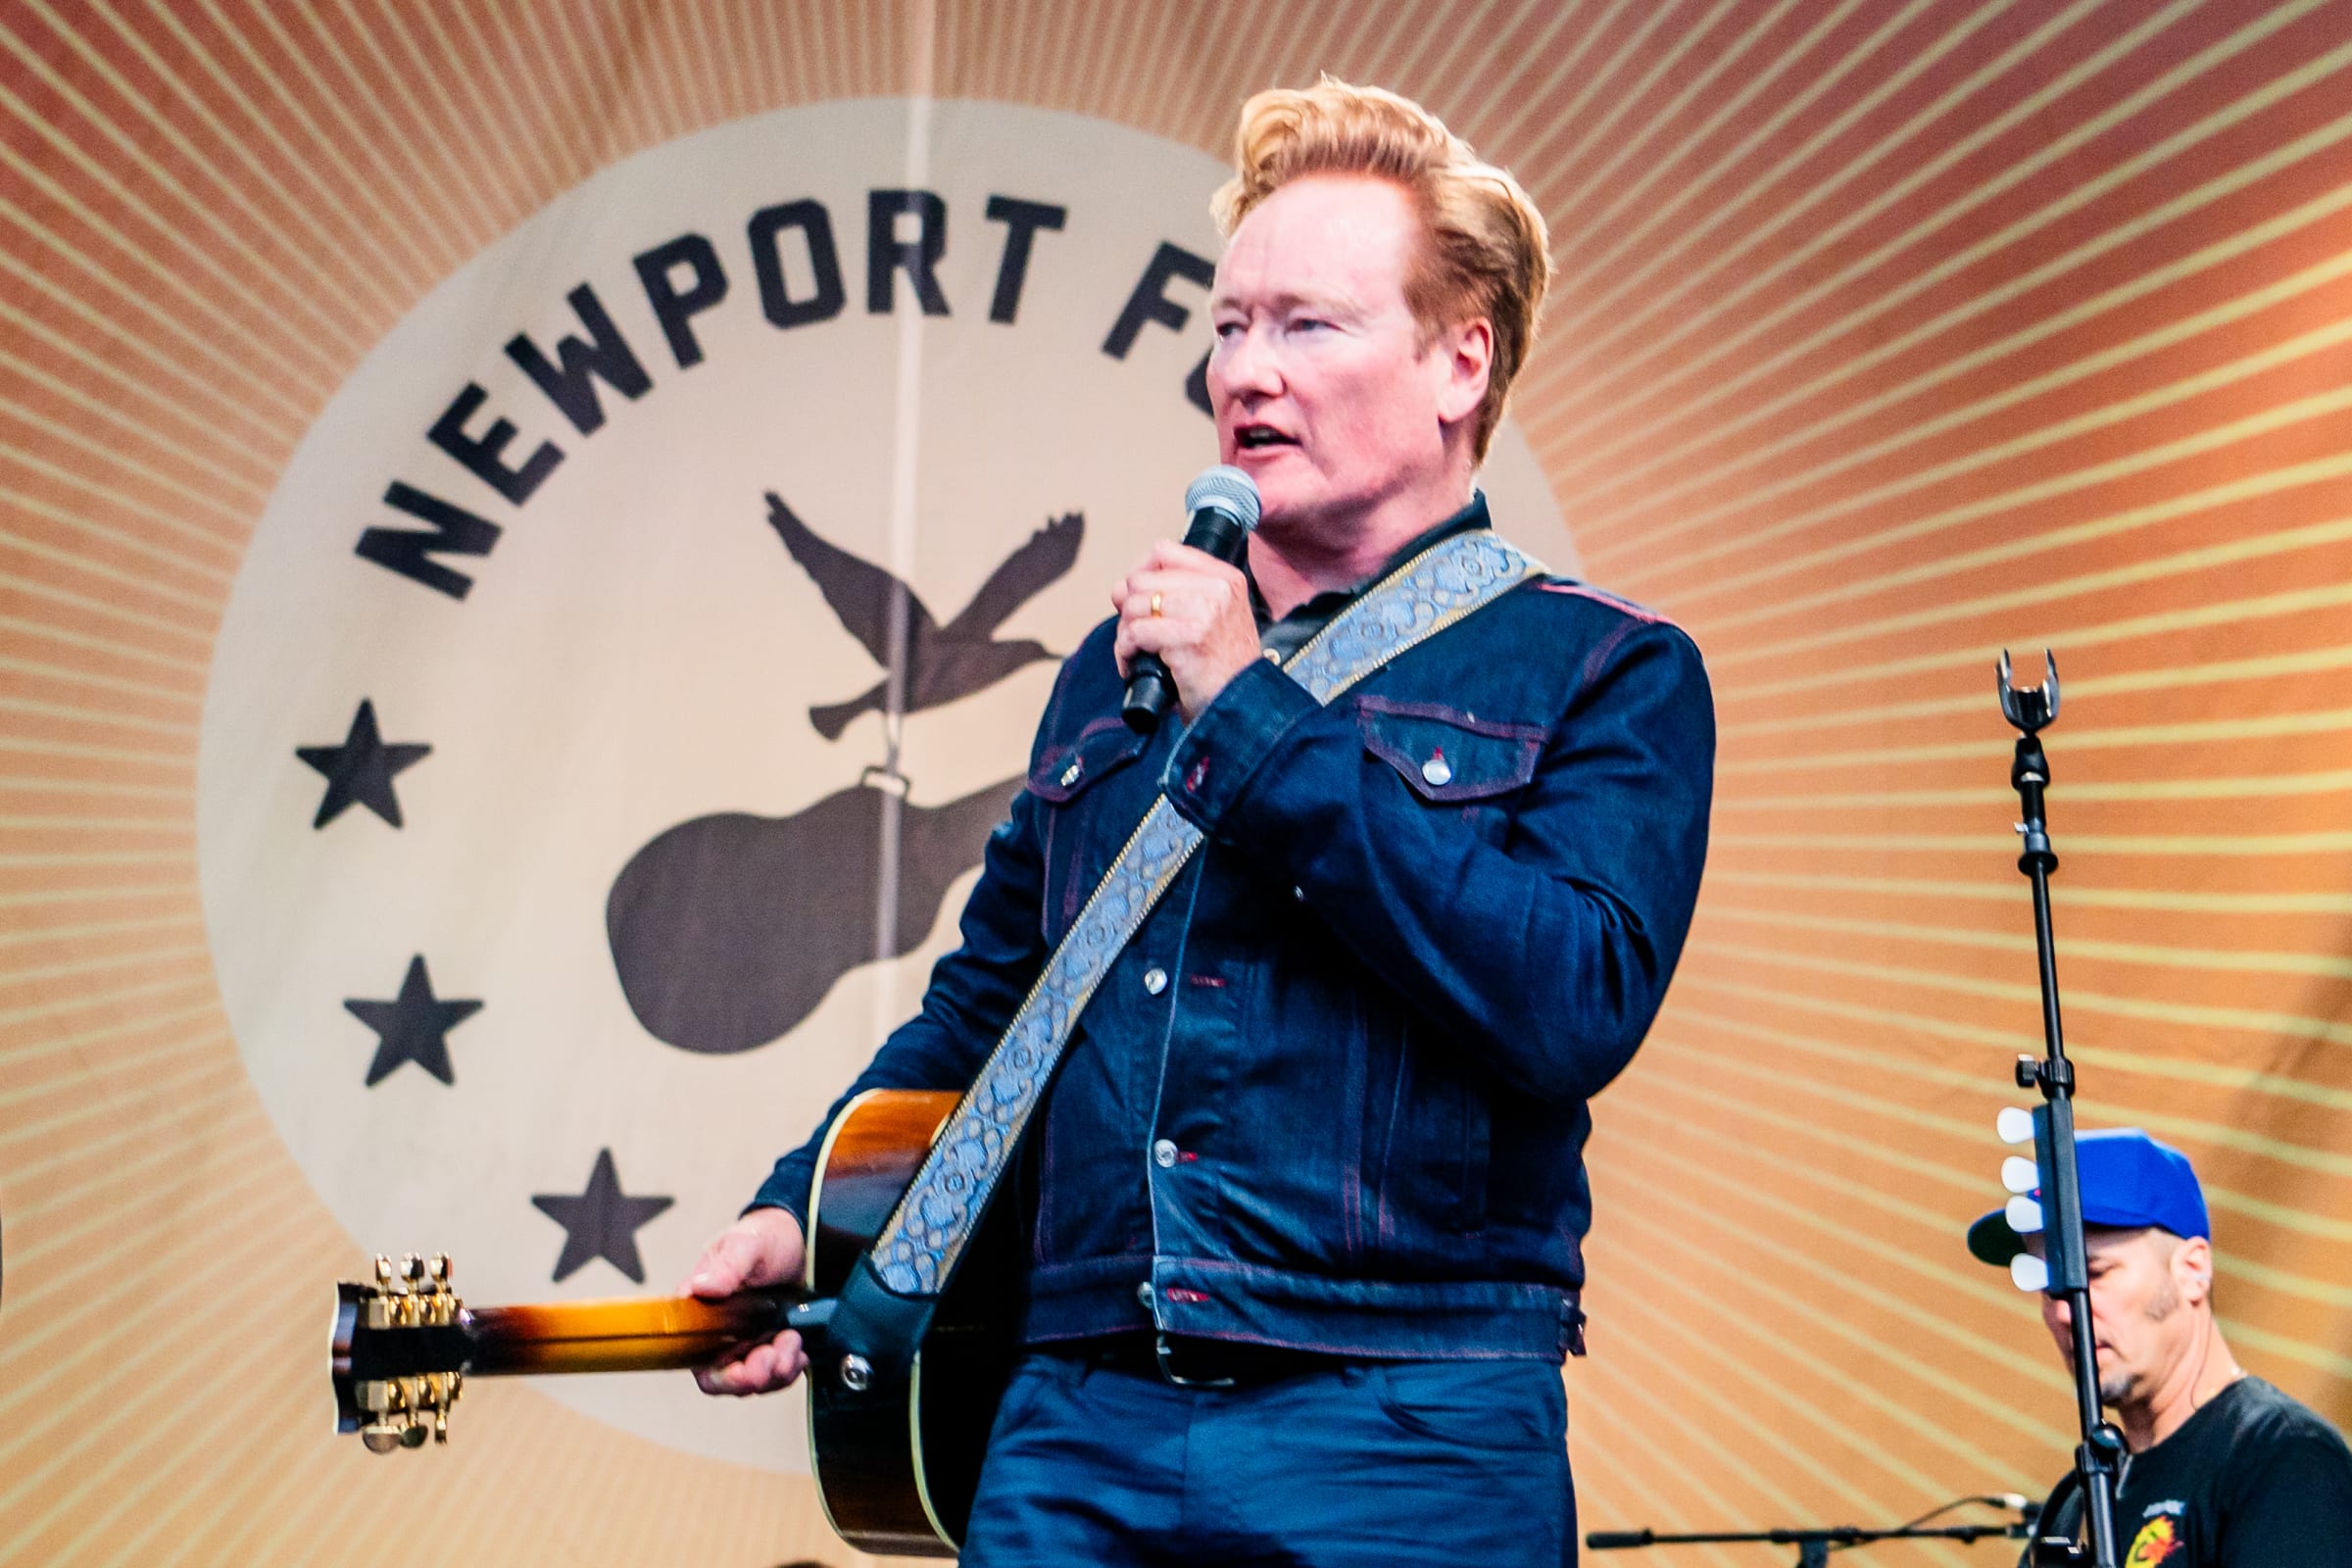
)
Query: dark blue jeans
[{"x": 1407, "y": 1462}]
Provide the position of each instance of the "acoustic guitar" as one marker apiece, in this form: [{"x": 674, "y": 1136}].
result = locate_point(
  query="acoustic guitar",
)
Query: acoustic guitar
[{"x": 894, "y": 1464}]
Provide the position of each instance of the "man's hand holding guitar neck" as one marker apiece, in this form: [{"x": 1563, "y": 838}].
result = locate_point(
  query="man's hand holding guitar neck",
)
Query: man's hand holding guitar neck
[{"x": 763, "y": 1247}]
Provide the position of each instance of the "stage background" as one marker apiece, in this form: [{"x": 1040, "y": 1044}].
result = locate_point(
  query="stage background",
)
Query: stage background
[{"x": 1887, "y": 336}]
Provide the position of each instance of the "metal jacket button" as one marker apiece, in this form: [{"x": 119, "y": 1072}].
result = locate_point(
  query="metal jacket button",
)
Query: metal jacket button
[
  {"x": 1069, "y": 774},
  {"x": 1155, "y": 980},
  {"x": 1163, "y": 1153},
  {"x": 1142, "y": 1293},
  {"x": 1438, "y": 771}
]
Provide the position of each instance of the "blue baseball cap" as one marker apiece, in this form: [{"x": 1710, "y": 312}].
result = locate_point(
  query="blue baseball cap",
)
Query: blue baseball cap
[{"x": 2129, "y": 1180}]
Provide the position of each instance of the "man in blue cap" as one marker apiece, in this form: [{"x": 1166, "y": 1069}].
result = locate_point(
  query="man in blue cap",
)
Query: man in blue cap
[{"x": 2223, "y": 1469}]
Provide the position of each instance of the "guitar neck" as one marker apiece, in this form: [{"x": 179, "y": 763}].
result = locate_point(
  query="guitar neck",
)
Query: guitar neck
[
  {"x": 618, "y": 1336},
  {"x": 621, "y": 1336}
]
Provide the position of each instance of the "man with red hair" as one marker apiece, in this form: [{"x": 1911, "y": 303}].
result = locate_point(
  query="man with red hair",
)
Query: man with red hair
[{"x": 1304, "y": 1208}]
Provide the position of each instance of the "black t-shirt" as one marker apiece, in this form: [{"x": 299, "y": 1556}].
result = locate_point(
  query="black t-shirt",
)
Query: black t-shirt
[{"x": 2252, "y": 1480}]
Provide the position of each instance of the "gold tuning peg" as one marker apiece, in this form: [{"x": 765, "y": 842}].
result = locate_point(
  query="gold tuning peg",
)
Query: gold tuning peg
[
  {"x": 386, "y": 1402},
  {"x": 409, "y": 1411},
  {"x": 413, "y": 1292}
]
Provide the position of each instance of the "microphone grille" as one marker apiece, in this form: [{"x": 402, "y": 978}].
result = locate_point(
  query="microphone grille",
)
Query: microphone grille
[{"x": 1226, "y": 488}]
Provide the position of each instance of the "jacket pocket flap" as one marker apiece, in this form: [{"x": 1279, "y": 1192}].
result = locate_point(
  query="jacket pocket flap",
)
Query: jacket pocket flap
[
  {"x": 1101, "y": 748},
  {"x": 1446, "y": 755}
]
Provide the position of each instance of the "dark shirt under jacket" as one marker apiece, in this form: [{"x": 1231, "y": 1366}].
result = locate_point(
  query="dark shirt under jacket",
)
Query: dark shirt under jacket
[
  {"x": 2253, "y": 1479},
  {"x": 1280, "y": 639},
  {"x": 1333, "y": 1096}
]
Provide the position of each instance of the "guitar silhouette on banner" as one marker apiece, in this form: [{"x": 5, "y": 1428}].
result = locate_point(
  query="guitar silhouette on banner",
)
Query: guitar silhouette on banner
[{"x": 728, "y": 930}]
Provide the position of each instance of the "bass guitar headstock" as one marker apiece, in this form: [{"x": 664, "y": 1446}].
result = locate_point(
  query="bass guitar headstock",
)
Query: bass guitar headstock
[{"x": 398, "y": 1353}]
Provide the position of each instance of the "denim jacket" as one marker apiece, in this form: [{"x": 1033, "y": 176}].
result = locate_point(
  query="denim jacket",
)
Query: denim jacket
[{"x": 1333, "y": 1096}]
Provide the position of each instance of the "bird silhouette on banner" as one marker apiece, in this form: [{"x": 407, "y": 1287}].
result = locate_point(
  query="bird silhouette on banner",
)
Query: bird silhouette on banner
[{"x": 943, "y": 663}]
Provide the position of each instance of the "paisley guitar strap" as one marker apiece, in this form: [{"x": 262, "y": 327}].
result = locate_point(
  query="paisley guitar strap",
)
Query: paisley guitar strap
[{"x": 916, "y": 1252}]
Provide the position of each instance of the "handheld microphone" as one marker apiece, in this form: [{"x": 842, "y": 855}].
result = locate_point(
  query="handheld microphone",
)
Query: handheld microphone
[{"x": 1223, "y": 505}]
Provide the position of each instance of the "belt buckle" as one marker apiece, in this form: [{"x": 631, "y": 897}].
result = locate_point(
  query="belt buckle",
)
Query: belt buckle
[{"x": 1168, "y": 1373}]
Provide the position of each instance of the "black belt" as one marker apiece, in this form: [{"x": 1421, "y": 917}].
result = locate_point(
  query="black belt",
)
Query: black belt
[{"x": 1189, "y": 1361}]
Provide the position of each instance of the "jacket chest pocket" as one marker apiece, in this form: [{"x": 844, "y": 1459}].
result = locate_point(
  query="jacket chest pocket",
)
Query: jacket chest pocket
[
  {"x": 1083, "y": 829},
  {"x": 1447, "y": 757}
]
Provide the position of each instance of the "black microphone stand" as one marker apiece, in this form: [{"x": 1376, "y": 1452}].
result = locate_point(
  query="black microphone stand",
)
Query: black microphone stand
[
  {"x": 2097, "y": 1457},
  {"x": 1812, "y": 1545}
]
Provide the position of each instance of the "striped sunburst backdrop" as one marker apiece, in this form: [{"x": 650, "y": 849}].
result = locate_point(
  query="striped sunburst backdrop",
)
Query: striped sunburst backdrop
[{"x": 1889, "y": 334}]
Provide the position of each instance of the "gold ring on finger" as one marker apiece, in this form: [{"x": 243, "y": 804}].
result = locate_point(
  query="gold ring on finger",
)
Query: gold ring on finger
[{"x": 1156, "y": 604}]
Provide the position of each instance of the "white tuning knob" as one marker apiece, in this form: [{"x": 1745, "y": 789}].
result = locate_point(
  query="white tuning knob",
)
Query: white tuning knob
[
  {"x": 2020, "y": 1175},
  {"x": 2025, "y": 1215},
  {"x": 2015, "y": 1124},
  {"x": 2029, "y": 1273}
]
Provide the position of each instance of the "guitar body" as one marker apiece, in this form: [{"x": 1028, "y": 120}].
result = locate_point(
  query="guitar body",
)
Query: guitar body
[{"x": 897, "y": 1465}]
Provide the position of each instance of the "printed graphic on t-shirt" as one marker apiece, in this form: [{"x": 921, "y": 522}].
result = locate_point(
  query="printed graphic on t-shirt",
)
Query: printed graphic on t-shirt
[{"x": 2159, "y": 1541}]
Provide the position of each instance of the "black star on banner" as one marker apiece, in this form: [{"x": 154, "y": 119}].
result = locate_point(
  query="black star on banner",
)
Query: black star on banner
[
  {"x": 360, "y": 770},
  {"x": 412, "y": 1027},
  {"x": 602, "y": 1222}
]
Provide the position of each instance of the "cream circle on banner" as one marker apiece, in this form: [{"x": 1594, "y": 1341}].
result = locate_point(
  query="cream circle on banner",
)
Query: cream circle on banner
[{"x": 630, "y": 911}]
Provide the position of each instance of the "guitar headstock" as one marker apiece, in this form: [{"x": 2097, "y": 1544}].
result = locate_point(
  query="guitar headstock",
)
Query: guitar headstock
[{"x": 398, "y": 1353}]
